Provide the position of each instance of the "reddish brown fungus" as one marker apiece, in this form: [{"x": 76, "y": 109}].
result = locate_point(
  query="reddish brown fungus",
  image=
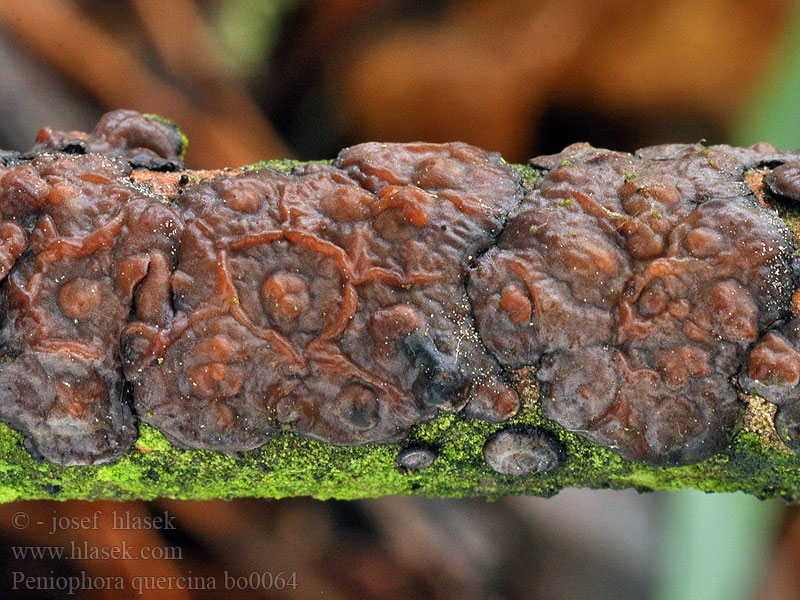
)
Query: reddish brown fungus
[
  {"x": 327, "y": 276},
  {"x": 68, "y": 298},
  {"x": 785, "y": 180},
  {"x": 141, "y": 141},
  {"x": 349, "y": 301},
  {"x": 647, "y": 295}
]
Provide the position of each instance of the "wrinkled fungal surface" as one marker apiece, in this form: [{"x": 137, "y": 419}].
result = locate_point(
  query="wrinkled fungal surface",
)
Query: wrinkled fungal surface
[
  {"x": 83, "y": 244},
  {"x": 785, "y": 180},
  {"x": 523, "y": 451},
  {"x": 142, "y": 141},
  {"x": 249, "y": 304},
  {"x": 349, "y": 301},
  {"x": 638, "y": 284},
  {"x": 329, "y": 276}
]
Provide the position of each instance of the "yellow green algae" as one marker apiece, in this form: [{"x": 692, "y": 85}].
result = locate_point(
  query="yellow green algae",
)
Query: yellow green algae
[{"x": 290, "y": 465}]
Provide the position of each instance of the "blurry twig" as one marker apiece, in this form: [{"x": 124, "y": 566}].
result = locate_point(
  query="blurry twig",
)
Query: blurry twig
[
  {"x": 225, "y": 131},
  {"x": 180, "y": 36}
]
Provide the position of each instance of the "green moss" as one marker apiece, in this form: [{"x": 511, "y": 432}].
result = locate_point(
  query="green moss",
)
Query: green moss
[
  {"x": 284, "y": 165},
  {"x": 529, "y": 174},
  {"x": 290, "y": 465}
]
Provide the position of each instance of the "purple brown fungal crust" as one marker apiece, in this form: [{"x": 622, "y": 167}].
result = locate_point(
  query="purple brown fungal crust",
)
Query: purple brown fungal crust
[
  {"x": 772, "y": 370},
  {"x": 415, "y": 458},
  {"x": 94, "y": 248},
  {"x": 523, "y": 451},
  {"x": 142, "y": 141},
  {"x": 638, "y": 284},
  {"x": 350, "y": 301},
  {"x": 328, "y": 276},
  {"x": 785, "y": 180}
]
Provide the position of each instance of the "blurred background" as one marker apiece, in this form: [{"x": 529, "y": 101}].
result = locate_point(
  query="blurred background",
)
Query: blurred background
[{"x": 249, "y": 80}]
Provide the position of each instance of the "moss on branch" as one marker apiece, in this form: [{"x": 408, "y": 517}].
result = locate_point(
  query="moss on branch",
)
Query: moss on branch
[{"x": 290, "y": 465}]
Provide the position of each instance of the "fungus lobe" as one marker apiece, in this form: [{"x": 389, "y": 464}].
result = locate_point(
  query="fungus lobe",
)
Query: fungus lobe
[
  {"x": 639, "y": 298},
  {"x": 523, "y": 451}
]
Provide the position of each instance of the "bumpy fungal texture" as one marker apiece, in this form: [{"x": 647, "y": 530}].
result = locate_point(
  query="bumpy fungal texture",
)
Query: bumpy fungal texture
[
  {"x": 785, "y": 180},
  {"x": 523, "y": 451},
  {"x": 773, "y": 367},
  {"x": 141, "y": 141},
  {"x": 638, "y": 284},
  {"x": 80, "y": 240},
  {"x": 328, "y": 277},
  {"x": 254, "y": 303},
  {"x": 350, "y": 301},
  {"x": 416, "y": 457}
]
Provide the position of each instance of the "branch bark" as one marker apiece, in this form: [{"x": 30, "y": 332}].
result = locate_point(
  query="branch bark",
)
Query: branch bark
[
  {"x": 290, "y": 465},
  {"x": 756, "y": 462}
]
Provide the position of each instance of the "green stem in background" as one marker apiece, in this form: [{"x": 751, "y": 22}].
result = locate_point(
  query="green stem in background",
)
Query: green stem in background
[
  {"x": 713, "y": 546},
  {"x": 773, "y": 114}
]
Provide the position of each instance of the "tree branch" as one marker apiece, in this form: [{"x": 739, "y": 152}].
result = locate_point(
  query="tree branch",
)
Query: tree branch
[
  {"x": 291, "y": 465},
  {"x": 454, "y": 454}
]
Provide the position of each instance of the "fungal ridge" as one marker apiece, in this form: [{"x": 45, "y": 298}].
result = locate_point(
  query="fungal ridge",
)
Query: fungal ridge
[
  {"x": 772, "y": 370},
  {"x": 326, "y": 275},
  {"x": 520, "y": 450},
  {"x": 80, "y": 244}
]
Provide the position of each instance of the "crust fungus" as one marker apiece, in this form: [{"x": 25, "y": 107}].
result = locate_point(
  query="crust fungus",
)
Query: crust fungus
[
  {"x": 415, "y": 458},
  {"x": 350, "y": 301},
  {"x": 523, "y": 451},
  {"x": 639, "y": 284},
  {"x": 249, "y": 304}
]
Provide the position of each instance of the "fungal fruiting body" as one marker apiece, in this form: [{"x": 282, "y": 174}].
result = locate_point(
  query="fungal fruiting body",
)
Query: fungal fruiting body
[
  {"x": 638, "y": 284},
  {"x": 349, "y": 301},
  {"x": 327, "y": 276},
  {"x": 523, "y": 451}
]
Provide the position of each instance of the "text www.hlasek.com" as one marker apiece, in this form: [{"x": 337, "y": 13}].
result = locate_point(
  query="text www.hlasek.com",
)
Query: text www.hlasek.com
[{"x": 84, "y": 551}]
